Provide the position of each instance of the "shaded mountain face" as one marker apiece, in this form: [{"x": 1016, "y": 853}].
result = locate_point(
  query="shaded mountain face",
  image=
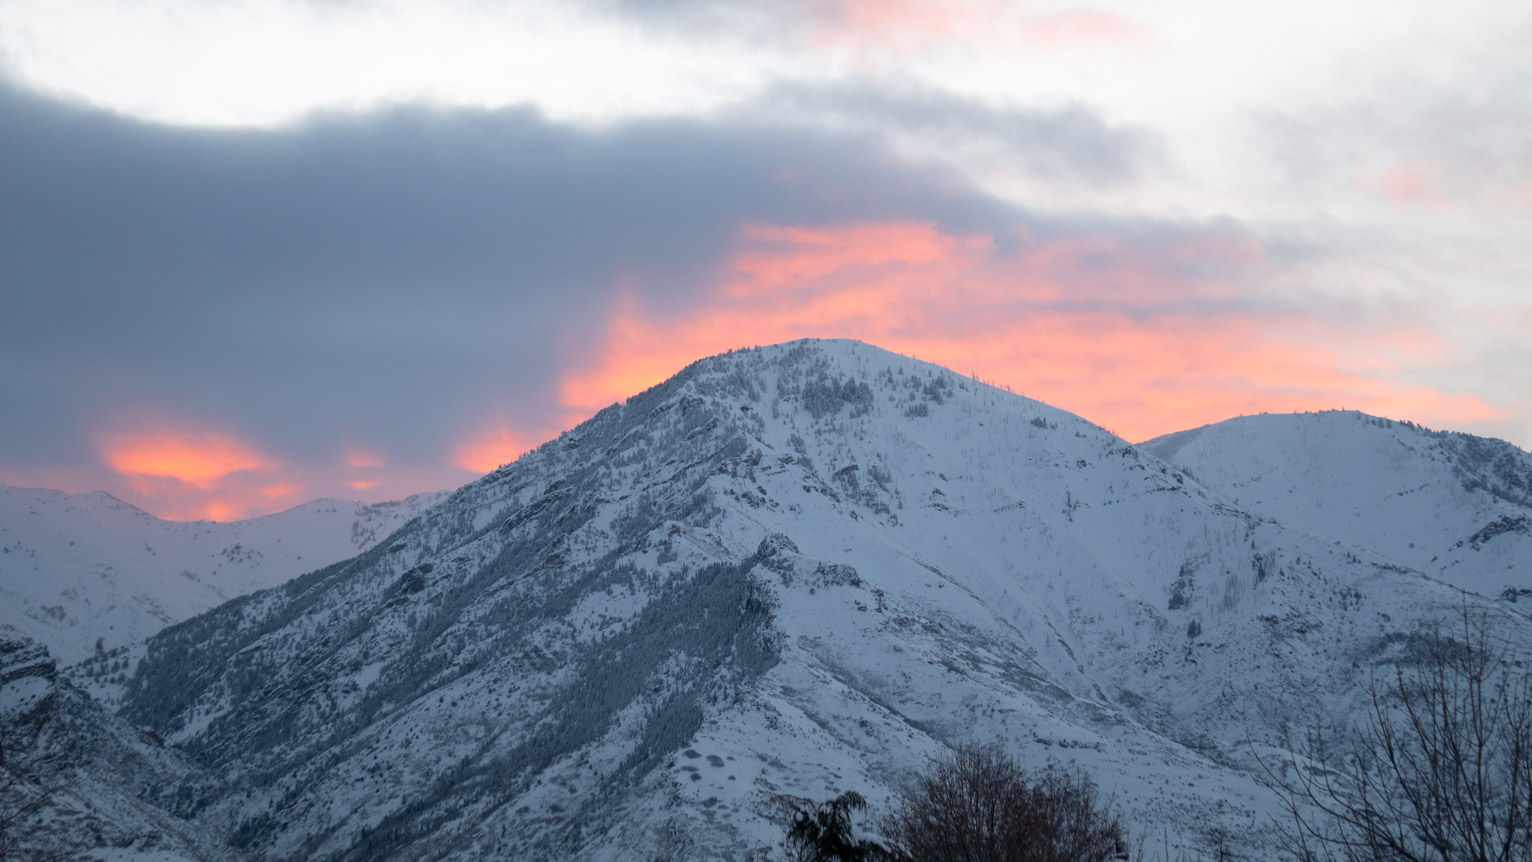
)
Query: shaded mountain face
[
  {"x": 799, "y": 569},
  {"x": 74, "y": 777},
  {"x": 1453, "y": 506},
  {"x": 78, "y": 570}
]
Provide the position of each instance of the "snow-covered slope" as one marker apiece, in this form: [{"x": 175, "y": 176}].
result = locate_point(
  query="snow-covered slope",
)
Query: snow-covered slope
[
  {"x": 74, "y": 778},
  {"x": 78, "y": 569},
  {"x": 800, "y": 569},
  {"x": 1454, "y": 506}
]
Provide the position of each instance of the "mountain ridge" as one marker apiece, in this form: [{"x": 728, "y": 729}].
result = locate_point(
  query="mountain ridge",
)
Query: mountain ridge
[
  {"x": 891, "y": 559},
  {"x": 1450, "y": 505},
  {"x": 83, "y": 569},
  {"x": 799, "y": 569}
]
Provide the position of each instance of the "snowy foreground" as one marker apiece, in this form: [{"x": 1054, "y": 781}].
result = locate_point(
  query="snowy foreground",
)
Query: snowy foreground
[{"x": 801, "y": 569}]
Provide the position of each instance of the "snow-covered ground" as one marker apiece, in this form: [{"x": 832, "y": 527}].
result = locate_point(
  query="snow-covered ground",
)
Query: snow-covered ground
[
  {"x": 800, "y": 569},
  {"x": 78, "y": 569},
  {"x": 1453, "y": 506}
]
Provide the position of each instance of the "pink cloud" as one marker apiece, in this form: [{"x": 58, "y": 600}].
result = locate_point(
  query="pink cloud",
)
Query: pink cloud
[
  {"x": 486, "y": 449},
  {"x": 1085, "y": 323},
  {"x": 1075, "y": 29},
  {"x": 197, "y": 458},
  {"x": 1145, "y": 333},
  {"x": 181, "y": 471},
  {"x": 1410, "y": 183},
  {"x": 909, "y": 25}
]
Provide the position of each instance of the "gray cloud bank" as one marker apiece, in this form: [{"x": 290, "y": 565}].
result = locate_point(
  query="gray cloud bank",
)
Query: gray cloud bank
[
  {"x": 399, "y": 275},
  {"x": 1067, "y": 145},
  {"x": 374, "y": 271}
]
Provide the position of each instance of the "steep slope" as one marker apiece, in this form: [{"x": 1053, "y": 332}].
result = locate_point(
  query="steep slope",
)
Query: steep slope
[
  {"x": 76, "y": 569},
  {"x": 74, "y": 777},
  {"x": 798, "y": 569},
  {"x": 1454, "y": 506}
]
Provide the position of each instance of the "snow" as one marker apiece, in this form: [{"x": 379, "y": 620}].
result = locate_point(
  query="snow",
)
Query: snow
[
  {"x": 1429, "y": 501},
  {"x": 810, "y": 568},
  {"x": 78, "y": 568}
]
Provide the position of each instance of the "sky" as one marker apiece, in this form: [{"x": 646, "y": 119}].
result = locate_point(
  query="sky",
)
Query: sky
[{"x": 254, "y": 252}]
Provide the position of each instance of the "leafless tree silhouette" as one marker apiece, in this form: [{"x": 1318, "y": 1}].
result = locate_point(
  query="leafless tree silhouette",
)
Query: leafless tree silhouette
[
  {"x": 1439, "y": 771},
  {"x": 978, "y": 805}
]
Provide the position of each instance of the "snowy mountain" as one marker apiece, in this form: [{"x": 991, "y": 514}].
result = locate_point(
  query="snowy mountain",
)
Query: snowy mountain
[
  {"x": 77, "y": 777},
  {"x": 78, "y": 569},
  {"x": 1454, "y": 506},
  {"x": 798, "y": 569}
]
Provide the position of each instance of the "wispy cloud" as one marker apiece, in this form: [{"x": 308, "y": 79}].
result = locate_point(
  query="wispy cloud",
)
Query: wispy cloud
[{"x": 1066, "y": 145}]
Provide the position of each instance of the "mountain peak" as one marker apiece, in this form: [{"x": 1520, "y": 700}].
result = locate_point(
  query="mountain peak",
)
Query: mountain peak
[
  {"x": 792, "y": 570},
  {"x": 1451, "y": 505}
]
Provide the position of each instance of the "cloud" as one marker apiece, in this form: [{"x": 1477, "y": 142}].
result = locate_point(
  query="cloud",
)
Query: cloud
[
  {"x": 392, "y": 302},
  {"x": 1439, "y": 118},
  {"x": 199, "y": 460},
  {"x": 893, "y": 26},
  {"x": 909, "y": 25},
  {"x": 398, "y": 278},
  {"x": 493, "y": 448},
  {"x": 1063, "y": 145},
  {"x": 191, "y": 473},
  {"x": 242, "y": 63},
  {"x": 1144, "y": 333}
]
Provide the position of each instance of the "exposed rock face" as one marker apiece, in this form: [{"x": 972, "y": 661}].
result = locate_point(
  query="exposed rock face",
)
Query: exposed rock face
[{"x": 76, "y": 777}]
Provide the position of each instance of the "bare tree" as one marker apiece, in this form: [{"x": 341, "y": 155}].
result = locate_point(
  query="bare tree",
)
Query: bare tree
[
  {"x": 1439, "y": 771},
  {"x": 978, "y": 805}
]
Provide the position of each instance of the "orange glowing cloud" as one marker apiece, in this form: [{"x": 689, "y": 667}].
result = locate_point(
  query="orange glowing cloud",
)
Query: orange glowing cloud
[
  {"x": 361, "y": 467},
  {"x": 185, "y": 474},
  {"x": 199, "y": 460},
  {"x": 897, "y": 23},
  {"x": 818, "y": 253},
  {"x": 488, "y": 450},
  {"x": 1440, "y": 188},
  {"x": 1411, "y": 182},
  {"x": 1083, "y": 323}
]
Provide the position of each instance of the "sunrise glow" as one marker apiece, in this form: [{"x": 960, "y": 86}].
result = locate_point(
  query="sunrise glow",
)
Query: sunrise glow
[
  {"x": 909, "y": 25},
  {"x": 489, "y": 449},
  {"x": 199, "y": 460},
  {"x": 1026, "y": 322},
  {"x": 435, "y": 235}
]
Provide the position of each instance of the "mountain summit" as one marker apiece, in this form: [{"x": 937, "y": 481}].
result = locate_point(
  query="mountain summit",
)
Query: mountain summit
[
  {"x": 797, "y": 569},
  {"x": 1454, "y": 506}
]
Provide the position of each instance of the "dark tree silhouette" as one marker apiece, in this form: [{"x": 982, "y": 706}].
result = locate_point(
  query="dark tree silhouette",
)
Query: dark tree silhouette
[
  {"x": 823, "y": 832},
  {"x": 979, "y": 806}
]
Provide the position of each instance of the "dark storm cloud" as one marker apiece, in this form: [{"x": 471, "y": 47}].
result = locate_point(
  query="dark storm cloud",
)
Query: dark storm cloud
[
  {"x": 386, "y": 271},
  {"x": 401, "y": 275}
]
